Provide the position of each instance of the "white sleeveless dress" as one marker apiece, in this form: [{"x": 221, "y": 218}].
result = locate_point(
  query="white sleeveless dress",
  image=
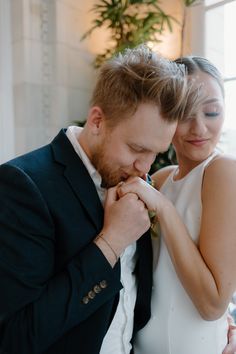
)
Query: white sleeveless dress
[{"x": 176, "y": 326}]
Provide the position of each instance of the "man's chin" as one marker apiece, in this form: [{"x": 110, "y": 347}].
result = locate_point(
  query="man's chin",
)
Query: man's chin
[{"x": 111, "y": 182}]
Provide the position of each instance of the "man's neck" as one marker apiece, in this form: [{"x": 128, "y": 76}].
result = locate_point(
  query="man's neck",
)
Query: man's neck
[{"x": 83, "y": 139}]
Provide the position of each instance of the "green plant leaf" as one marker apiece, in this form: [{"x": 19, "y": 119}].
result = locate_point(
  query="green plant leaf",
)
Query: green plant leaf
[
  {"x": 190, "y": 2},
  {"x": 129, "y": 22}
]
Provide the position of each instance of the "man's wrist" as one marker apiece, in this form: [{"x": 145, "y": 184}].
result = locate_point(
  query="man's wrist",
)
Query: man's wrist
[{"x": 107, "y": 249}]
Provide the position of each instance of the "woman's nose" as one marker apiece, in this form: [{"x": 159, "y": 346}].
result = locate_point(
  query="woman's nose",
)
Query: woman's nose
[{"x": 198, "y": 126}]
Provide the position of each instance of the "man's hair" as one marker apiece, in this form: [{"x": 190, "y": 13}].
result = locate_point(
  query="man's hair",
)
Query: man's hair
[{"x": 142, "y": 76}]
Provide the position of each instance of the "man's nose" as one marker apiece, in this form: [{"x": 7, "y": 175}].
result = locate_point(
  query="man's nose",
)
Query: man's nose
[{"x": 143, "y": 165}]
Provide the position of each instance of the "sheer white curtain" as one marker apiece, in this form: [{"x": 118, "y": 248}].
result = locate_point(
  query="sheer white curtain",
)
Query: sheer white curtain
[{"x": 6, "y": 87}]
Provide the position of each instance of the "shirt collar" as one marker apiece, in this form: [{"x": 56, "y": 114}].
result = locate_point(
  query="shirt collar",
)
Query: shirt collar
[{"x": 72, "y": 134}]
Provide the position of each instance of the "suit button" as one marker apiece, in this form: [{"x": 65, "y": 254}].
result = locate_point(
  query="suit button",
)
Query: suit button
[
  {"x": 103, "y": 284},
  {"x": 91, "y": 294},
  {"x": 85, "y": 300},
  {"x": 97, "y": 289}
]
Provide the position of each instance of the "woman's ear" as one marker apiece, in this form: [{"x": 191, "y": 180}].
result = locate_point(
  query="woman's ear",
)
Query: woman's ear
[{"x": 95, "y": 119}]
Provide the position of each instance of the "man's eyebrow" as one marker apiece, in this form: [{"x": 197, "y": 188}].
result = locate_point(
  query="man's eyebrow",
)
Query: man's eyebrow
[{"x": 144, "y": 149}]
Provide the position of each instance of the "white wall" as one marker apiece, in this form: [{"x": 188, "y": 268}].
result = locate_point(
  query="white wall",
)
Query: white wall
[{"x": 195, "y": 30}]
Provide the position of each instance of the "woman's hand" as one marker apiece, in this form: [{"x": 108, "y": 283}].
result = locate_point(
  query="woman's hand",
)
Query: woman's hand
[
  {"x": 231, "y": 346},
  {"x": 153, "y": 199}
]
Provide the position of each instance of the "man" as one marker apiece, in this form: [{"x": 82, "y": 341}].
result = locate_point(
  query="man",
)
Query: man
[{"x": 73, "y": 279}]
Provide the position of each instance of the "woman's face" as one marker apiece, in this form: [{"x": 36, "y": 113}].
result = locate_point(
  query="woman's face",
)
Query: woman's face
[{"x": 196, "y": 138}]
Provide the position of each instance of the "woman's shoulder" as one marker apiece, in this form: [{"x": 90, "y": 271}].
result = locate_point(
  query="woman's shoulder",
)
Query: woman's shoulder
[
  {"x": 221, "y": 169},
  {"x": 161, "y": 175},
  {"x": 222, "y": 163}
]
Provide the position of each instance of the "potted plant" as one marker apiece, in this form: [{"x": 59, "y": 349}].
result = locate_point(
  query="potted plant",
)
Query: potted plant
[{"x": 130, "y": 23}]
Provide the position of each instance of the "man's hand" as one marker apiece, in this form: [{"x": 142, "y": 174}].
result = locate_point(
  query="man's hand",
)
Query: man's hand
[
  {"x": 125, "y": 221},
  {"x": 231, "y": 346}
]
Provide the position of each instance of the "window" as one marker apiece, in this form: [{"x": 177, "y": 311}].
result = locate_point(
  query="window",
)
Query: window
[{"x": 220, "y": 26}]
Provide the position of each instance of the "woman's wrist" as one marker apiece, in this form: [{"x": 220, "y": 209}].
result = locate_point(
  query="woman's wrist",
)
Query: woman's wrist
[{"x": 164, "y": 210}]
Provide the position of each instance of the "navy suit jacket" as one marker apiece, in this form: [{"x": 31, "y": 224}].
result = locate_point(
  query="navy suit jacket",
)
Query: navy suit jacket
[{"x": 50, "y": 213}]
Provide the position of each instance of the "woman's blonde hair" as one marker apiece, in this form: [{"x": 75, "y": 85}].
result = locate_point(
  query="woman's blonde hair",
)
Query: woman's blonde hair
[{"x": 193, "y": 64}]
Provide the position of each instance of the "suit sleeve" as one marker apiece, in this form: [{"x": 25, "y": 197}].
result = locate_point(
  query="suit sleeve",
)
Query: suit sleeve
[{"x": 38, "y": 306}]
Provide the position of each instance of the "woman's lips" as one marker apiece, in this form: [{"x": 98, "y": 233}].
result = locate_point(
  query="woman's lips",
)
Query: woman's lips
[{"x": 197, "y": 142}]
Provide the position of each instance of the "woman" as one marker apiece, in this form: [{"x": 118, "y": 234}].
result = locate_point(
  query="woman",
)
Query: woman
[{"x": 195, "y": 276}]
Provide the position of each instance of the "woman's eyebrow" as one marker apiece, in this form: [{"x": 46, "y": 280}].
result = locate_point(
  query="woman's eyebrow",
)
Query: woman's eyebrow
[{"x": 211, "y": 100}]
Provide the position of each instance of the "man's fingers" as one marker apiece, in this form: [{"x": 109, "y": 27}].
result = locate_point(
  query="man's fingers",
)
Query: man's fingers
[
  {"x": 127, "y": 187},
  {"x": 111, "y": 196}
]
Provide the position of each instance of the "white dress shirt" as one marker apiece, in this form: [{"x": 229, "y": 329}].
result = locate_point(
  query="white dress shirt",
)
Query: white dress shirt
[{"x": 119, "y": 334}]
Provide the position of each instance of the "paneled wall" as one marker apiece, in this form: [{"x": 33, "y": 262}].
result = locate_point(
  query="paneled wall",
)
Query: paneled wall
[
  {"x": 52, "y": 71},
  {"x": 7, "y": 141}
]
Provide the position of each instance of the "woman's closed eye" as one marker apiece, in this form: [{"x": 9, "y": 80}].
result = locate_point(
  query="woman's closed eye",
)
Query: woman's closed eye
[
  {"x": 212, "y": 110},
  {"x": 212, "y": 114}
]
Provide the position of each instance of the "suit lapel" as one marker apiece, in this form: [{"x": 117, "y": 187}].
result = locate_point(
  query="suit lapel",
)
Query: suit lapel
[
  {"x": 78, "y": 177},
  {"x": 144, "y": 275}
]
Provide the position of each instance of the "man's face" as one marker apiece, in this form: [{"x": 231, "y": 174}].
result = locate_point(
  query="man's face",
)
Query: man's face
[{"x": 129, "y": 148}]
